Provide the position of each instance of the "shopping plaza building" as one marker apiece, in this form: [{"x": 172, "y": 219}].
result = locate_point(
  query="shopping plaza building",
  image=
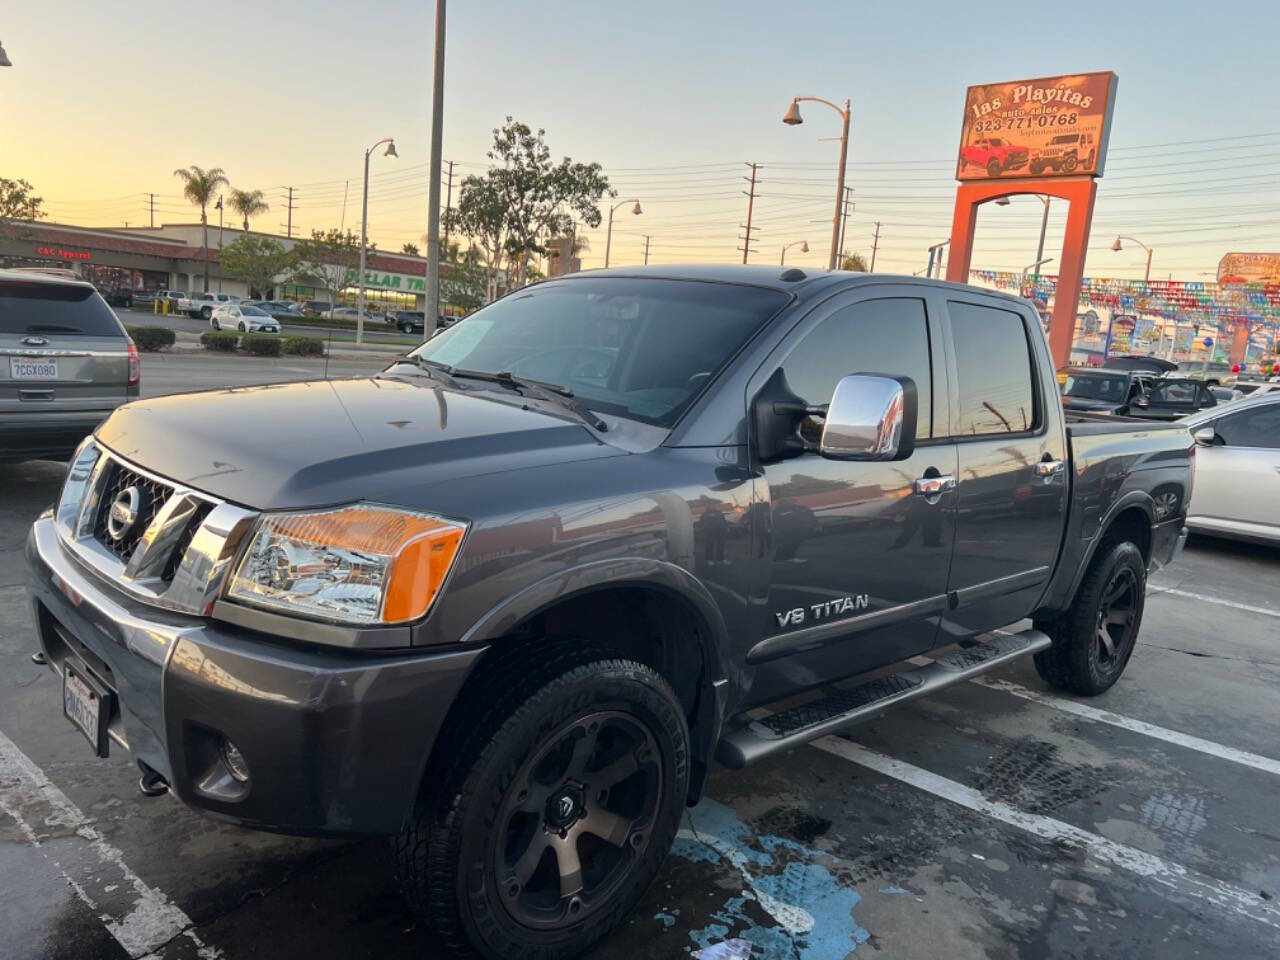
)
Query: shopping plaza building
[{"x": 172, "y": 257}]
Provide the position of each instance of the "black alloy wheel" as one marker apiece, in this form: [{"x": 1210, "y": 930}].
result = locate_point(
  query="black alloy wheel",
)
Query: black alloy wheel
[
  {"x": 577, "y": 818},
  {"x": 1117, "y": 616}
]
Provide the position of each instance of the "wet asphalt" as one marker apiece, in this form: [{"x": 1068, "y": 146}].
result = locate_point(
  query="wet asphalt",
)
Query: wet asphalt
[{"x": 989, "y": 821}]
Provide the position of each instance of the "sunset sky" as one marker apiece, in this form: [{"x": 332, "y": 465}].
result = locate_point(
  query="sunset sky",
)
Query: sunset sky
[{"x": 104, "y": 101}]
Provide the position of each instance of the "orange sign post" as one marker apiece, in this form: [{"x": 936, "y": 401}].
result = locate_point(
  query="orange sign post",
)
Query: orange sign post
[{"x": 1046, "y": 137}]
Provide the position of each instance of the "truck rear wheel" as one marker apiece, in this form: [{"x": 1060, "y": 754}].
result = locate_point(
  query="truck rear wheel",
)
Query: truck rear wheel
[
  {"x": 555, "y": 812},
  {"x": 1094, "y": 638}
]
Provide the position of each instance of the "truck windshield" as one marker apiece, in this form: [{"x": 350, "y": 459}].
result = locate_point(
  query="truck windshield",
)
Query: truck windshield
[
  {"x": 637, "y": 347},
  {"x": 1095, "y": 387}
]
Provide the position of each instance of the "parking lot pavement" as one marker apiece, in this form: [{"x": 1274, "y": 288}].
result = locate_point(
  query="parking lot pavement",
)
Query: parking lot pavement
[
  {"x": 997, "y": 819},
  {"x": 184, "y": 324},
  {"x": 164, "y": 373}
]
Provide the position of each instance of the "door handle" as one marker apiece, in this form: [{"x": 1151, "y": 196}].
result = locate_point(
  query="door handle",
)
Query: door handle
[
  {"x": 931, "y": 487},
  {"x": 1048, "y": 469}
]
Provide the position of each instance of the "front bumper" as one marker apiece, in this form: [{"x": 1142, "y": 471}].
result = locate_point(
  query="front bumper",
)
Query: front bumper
[{"x": 336, "y": 742}]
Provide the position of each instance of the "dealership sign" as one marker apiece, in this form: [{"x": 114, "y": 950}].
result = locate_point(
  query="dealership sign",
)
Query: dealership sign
[
  {"x": 1053, "y": 126},
  {"x": 1261, "y": 268}
]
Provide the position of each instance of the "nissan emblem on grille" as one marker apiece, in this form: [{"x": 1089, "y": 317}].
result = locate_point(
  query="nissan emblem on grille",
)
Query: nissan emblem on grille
[{"x": 124, "y": 512}]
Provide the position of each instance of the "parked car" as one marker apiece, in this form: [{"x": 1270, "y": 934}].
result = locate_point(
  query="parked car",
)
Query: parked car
[
  {"x": 116, "y": 296},
  {"x": 144, "y": 298},
  {"x": 1099, "y": 390},
  {"x": 314, "y": 308},
  {"x": 995, "y": 155},
  {"x": 67, "y": 363},
  {"x": 1065, "y": 153},
  {"x": 513, "y": 631},
  {"x": 246, "y": 319},
  {"x": 1237, "y": 486},
  {"x": 344, "y": 313},
  {"x": 202, "y": 305},
  {"x": 1170, "y": 398},
  {"x": 408, "y": 321},
  {"x": 1251, "y": 388},
  {"x": 291, "y": 307},
  {"x": 1141, "y": 363}
]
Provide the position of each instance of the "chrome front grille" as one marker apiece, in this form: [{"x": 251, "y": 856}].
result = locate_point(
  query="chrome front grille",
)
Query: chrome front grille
[
  {"x": 154, "y": 494},
  {"x": 177, "y": 550}
]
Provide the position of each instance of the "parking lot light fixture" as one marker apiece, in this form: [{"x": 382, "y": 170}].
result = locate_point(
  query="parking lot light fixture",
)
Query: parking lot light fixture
[
  {"x": 1117, "y": 247},
  {"x": 802, "y": 244},
  {"x": 608, "y": 239},
  {"x": 4, "y": 57},
  {"x": 792, "y": 118},
  {"x": 364, "y": 229}
]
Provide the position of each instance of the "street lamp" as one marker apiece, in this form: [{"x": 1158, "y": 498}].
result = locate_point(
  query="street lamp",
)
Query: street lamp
[
  {"x": 1044, "y": 225},
  {"x": 364, "y": 230},
  {"x": 4, "y": 57},
  {"x": 804, "y": 248},
  {"x": 608, "y": 239},
  {"x": 1036, "y": 266},
  {"x": 1116, "y": 248},
  {"x": 218, "y": 207},
  {"x": 792, "y": 118}
]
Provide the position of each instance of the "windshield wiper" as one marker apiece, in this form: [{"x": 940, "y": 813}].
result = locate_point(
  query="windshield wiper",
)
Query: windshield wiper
[
  {"x": 552, "y": 392},
  {"x": 433, "y": 368}
]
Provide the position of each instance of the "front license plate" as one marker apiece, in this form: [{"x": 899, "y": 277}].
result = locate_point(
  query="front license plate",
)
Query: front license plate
[
  {"x": 28, "y": 368},
  {"x": 84, "y": 706}
]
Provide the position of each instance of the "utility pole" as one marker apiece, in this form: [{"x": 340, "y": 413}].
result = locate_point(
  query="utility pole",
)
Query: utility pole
[
  {"x": 288, "y": 229},
  {"x": 346, "y": 188},
  {"x": 751, "y": 200},
  {"x": 875, "y": 243},
  {"x": 844, "y": 222},
  {"x": 153, "y": 210},
  {"x": 647, "y": 238},
  {"x": 448, "y": 204},
  {"x": 433, "y": 192}
]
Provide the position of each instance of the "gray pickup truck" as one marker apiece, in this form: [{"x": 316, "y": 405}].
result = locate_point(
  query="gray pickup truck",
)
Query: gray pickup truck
[{"x": 506, "y": 601}]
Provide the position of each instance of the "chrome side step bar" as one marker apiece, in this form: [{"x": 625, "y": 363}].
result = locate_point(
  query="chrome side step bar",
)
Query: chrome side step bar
[{"x": 844, "y": 707}]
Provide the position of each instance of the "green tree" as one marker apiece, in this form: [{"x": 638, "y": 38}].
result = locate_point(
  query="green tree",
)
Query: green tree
[
  {"x": 328, "y": 259},
  {"x": 410, "y": 248},
  {"x": 854, "y": 261},
  {"x": 19, "y": 207},
  {"x": 464, "y": 280},
  {"x": 257, "y": 261},
  {"x": 199, "y": 186},
  {"x": 248, "y": 203},
  {"x": 481, "y": 217}
]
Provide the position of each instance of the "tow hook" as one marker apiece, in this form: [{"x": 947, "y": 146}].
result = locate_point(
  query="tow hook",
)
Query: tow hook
[{"x": 151, "y": 784}]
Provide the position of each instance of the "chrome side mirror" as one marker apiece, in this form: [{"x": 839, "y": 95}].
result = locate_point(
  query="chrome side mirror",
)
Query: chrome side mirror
[
  {"x": 1205, "y": 436},
  {"x": 870, "y": 417}
]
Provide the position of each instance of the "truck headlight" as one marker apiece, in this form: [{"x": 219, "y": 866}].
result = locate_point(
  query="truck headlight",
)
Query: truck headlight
[{"x": 364, "y": 564}]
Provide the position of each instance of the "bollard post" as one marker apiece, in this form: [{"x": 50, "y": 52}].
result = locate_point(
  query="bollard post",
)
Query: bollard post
[{"x": 155, "y": 306}]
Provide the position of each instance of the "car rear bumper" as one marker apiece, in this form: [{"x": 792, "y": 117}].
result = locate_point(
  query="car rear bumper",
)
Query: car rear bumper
[
  {"x": 336, "y": 742},
  {"x": 54, "y": 435}
]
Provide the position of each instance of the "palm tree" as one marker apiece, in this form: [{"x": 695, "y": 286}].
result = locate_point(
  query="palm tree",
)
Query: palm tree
[
  {"x": 199, "y": 186},
  {"x": 248, "y": 203}
]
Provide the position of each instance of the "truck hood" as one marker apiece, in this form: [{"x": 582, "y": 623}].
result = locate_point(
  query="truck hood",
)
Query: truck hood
[{"x": 292, "y": 445}]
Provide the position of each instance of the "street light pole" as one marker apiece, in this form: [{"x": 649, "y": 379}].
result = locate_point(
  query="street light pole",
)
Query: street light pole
[
  {"x": 1116, "y": 248},
  {"x": 364, "y": 231},
  {"x": 1044, "y": 226},
  {"x": 608, "y": 238},
  {"x": 804, "y": 248},
  {"x": 792, "y": 118},
  {"x": 4, "y": 58},
  {"x": 219, "y": 243},
  {"x": 433, "y": 189}
]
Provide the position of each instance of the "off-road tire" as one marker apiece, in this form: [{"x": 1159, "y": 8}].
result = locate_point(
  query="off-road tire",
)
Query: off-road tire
[
  {"x": 1070, "y": 162},
  {"x": 444, "y": 856},
  {"x": 1077, "y": 662},
  {"x": 993, "y": 167}
]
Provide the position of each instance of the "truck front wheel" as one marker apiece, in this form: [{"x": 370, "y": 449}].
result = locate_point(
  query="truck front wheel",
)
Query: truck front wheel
[
  {"x": 556, "y": 811},
  {"x": 993, "y": 167},
  {"x": 1094, "y": 638}
]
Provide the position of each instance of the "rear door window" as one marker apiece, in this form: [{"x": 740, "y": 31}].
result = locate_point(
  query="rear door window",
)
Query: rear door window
[
  {"x": 993, "y": 366},
  {"x": 47, "y": 309},
  {"x": 1259, "y": 428}
]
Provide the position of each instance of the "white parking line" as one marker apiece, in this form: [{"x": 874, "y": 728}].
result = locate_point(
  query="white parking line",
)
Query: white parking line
[
  {"x": 1205, "y": 598},
  {"x": 141, "y": 918},
  {"x": 1171, "y": 875},
  {"x": 1086, "y": 712}
]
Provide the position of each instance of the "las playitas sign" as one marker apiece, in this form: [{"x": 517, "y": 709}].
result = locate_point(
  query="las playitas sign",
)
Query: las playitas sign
[{"x": 1052, "y": 126}]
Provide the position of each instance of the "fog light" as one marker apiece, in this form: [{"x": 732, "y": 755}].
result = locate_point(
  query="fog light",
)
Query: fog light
[{"x": 236, "y": 764}]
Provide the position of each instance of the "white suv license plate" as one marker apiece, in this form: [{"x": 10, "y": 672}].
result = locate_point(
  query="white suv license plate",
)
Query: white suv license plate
[
  {"x": 30, "y": 368},
  {"x": 83, "y": 706}
]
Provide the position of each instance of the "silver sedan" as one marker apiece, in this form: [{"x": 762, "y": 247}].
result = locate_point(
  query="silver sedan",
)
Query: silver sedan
[{"x": 1237, "y": 480}]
